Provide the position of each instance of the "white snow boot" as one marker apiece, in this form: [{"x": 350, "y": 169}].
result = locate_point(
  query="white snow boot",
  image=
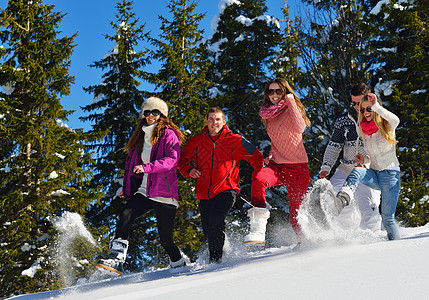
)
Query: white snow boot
[
  {"x": 258, "y": 222},
  {"x": 117, "y": 254}
]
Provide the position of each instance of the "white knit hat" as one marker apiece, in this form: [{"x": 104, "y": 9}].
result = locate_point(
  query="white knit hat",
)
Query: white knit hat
[{"x": 152, "y": 103}]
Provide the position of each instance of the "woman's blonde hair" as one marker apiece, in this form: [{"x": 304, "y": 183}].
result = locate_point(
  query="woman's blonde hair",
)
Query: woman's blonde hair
[
  {"x": 381, "y": 123},
  {"x": 137, "y": 138},
  {"x": 285, "y": 87}
]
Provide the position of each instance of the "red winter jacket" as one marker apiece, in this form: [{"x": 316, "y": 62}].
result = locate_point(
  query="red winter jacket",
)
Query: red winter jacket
[{"x": 218, "y": 161}]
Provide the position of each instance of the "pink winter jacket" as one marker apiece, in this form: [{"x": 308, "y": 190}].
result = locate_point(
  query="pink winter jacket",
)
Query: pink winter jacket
[
  {"x": 162, "y": 179},
  {"x": 285, "y": 131}
]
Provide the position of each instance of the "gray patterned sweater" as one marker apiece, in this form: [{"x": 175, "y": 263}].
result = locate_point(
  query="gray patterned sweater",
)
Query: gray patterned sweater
[{"x": 344, "y": 137}]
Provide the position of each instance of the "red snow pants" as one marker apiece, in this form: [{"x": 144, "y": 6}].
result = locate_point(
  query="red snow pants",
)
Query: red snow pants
[{"x": 295, "y": 176}]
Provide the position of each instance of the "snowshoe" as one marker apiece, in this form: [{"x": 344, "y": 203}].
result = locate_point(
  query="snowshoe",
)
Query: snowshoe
[
  {"x": 110, "y": 266},
  {"x": 114, "y": 263},
  {"x": 341, "y": 200},
  {"x": 319, "y": 206},
  {"x": 314, "y": 208}
]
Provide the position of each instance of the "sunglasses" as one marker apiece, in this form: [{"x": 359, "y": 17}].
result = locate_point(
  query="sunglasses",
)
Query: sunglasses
[
  {"x": 277, "y": 91},
  {"x": 368, "y": 109},
  {"x": 154, "y": 113},
  {"x": 353, "y": 104},
  {"x": 367, "y": 98}
]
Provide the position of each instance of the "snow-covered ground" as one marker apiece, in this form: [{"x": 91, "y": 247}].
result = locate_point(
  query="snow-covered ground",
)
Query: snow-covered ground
[{"x": 358, "y": 267}]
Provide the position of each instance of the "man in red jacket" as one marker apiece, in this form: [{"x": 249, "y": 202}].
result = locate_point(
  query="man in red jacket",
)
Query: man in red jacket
[{"x": 212, "y": 158}]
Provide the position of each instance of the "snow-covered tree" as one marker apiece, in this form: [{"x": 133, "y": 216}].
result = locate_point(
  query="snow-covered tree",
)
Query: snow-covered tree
[
  {"x": 333, "y": 46},
  {"x": 401, "y": 79},
  {"x": 181, "y": 82},
  {"x": 43, "y": 163},
  {"x": 115, "y": 112},
  {"x": 286, "y": 61}
]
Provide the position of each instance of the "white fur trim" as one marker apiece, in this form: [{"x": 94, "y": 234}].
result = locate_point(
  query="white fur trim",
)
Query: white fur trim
[{"x": 258, "y": 212}]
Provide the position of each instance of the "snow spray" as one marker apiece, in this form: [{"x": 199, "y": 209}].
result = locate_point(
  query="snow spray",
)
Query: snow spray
[
  {"x": 320, "y": 225},
  {"x": 73, "y": 248}
]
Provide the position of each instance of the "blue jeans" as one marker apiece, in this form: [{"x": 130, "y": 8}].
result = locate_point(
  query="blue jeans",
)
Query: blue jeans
[{"x": 389, "y": 183}]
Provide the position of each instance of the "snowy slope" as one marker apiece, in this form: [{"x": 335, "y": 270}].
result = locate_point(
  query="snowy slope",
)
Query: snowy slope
[{"x": 357, "y": 269}]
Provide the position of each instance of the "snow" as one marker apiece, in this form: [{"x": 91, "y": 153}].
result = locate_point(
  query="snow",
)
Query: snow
[
  {"x": 60, "y": 155},
  {"x": 214, "y": 92},
  {"x": 384, "y": 49},
  {"x": 32, "y": 270},
  {"x": 59, "y": 193},
  {"x": 239, "y": 39},
  {"x": 419, "y": 92},
  {"x": 249, "y": 22},
  {"x": 264, "y": 144},
  {"x": 70, "y": 223},
  {"x": 397, "y": 6},
  {"x": 269, "y": 20},
  {"x": 400, "y": 70},
  {"x": 62, "y": 124},
  {"x": 244, "y": 20},
  {"x": 326, "y": 31},
  {"x": 6, "y": 169},
  {"x": 7, "y": 89},
  {"x": 385, "y": 87},
  {"x": 376, "y": 10},
  {"x": 53, "y": 175},
  {"x": 223, "y": 4},
  {"x": 361, "y": 266}
]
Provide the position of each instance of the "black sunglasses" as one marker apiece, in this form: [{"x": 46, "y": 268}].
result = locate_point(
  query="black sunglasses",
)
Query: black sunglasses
[
  {"x": 352, "y": 104},
  {"x": 367, "y": 98},
  {"x": 368, "y": 109},
  {"x": 277, "y": 91},
  {"x": 154, "y": 113}
]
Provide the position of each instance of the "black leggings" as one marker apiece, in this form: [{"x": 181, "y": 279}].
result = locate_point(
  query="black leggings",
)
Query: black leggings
[
  {"x": 139, "y": 205},
  {"x": 213, "y": 213}
]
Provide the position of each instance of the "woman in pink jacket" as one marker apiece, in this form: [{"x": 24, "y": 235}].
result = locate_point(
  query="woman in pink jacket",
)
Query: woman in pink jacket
[
  {"x": 284, "y": 118},
  {"x": 150, "y": 183}
]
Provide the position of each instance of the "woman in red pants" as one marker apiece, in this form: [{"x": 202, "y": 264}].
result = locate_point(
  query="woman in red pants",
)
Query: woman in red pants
[{"x": 284, "y": 118}]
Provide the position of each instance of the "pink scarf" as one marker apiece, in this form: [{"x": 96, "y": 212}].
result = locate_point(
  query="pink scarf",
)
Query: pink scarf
[
  {"x": 368, "y": 127},
  {"x": 272, "y": 111}
]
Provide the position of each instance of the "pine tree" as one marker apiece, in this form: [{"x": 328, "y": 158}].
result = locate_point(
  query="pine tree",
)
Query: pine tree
[
  {"x": 285, "y": 63},
  {"x": 244, "y": 44},
  {"x": 115, "y": 113},
  {"x": 43, "y": 163},
  {"x": 182, "y": 83},
  {"x": 181, "y": 50},
  {"x": 402, "y": 81},
  {"x": 334, "y": 48}
]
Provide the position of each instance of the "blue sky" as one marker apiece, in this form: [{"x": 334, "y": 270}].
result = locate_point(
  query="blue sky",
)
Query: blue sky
[{"x": 90, "y": 20}]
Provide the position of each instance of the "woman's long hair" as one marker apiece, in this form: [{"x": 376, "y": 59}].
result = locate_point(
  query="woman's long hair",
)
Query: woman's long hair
[
  {"x": 381, "y": 123},
  {"x": 285, "y": 87},
  {"x": 137, "y": 138}
]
